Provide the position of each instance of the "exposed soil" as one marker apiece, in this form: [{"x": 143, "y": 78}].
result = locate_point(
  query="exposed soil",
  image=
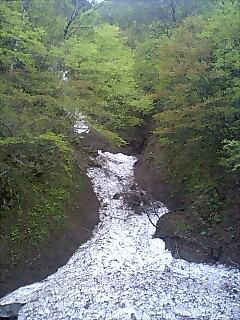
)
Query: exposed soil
[
  {"x": 82, "y": 216},
  {"x": 185, "y": 236},
  {"x": 94, "y": 141},
  {"x": 150, "y": 180}
]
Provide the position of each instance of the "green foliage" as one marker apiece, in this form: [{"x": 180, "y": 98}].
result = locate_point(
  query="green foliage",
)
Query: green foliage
[
  {"x": 34, "y": 183},
  {"x": 20, "y": 44},
  {"x": 44, "y": 216},
  {"x": 35, "y": 152},
  {"x": 129, "y": 64},
  {"x": 232, "y": 155},
  {"x": 127, "y": 13},
  {"x": 197, "y": 128},
  {"x": 146, "y": 64},
  {"x": 38, "y": 40},
  {"x": 107, "y": 92},
  {"x": 61, "y": 19},
  {"x": 110, "y": 136}
]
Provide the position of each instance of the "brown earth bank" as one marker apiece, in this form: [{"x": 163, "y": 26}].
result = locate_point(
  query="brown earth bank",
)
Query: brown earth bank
[
  {"x": 82, "y": 216},
  {"x": 182, "y": 232}
]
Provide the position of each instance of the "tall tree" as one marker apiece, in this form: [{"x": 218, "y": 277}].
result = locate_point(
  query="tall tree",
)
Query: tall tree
[
  {"x": 198, "y": 101},
  {"x": 103, "y": 60}
]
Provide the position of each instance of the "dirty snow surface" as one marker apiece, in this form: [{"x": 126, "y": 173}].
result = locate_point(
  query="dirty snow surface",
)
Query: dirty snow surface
[
  {"x": 81, "y": 126},
  {"x": 122, "y": 273}
]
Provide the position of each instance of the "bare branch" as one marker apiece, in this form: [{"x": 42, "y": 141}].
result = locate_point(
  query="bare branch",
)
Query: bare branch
[
  {"x": 73, "y": 16},
  {"x": 79, "y": 25},
  {"x": 149, "y": 218},
  {"x": 79, "y": 7},
  {"x": 25, "y": 5},
  {"x": 173, "y": 6}
]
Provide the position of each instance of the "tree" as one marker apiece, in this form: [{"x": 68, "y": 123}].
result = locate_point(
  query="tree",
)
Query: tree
[
  {"x": 35, "y": 153},
  {"x": 196, "y": 128},
  {"x": 101, "y": 61},
  {"x": 19, "y": 42}
]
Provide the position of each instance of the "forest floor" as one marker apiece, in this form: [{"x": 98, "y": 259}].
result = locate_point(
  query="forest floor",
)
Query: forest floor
[{"x": 183, "y": 234}]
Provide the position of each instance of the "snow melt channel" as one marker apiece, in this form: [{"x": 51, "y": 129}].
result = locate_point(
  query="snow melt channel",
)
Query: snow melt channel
[{"x": 122, "y": 273}]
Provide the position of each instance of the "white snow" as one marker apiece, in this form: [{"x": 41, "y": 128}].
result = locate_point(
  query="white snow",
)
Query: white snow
[
  {"x": 122, "y": 273},
  {"x": 81, "y": 125},
  {"x": 64, "y": 76}
]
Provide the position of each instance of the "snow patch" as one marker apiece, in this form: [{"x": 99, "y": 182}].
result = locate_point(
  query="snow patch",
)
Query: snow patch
[
  {"x": 81, "y": 125},
  {"x": 122, "y": 273}
]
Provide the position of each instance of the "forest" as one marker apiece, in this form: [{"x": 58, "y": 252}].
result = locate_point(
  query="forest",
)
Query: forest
[{"x": 161, "y": 77}]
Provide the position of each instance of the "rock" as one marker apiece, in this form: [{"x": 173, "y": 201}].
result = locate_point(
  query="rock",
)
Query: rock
[
  {"x": 116, "y": 196},
  {"x": 10, "y": 311},
  {"x": 216, "y": 253},
  {"x": 93, "y": 163},
  {"x": 172, "y": 228},
  {"x": 133, "y": 199}
]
